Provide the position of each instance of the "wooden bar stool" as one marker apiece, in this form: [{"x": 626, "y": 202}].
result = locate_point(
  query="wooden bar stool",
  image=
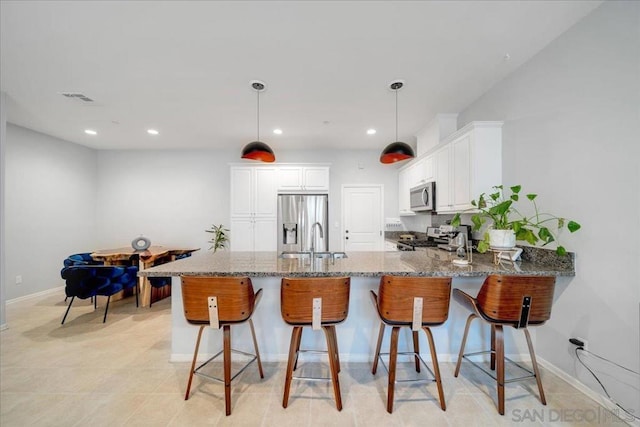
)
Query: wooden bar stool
[
  {"x": 319, "y": 302},
  {"x": 418, "y": 303},
  {"x": 517, "y": 301},
  {"x": 220, "y": 302}
]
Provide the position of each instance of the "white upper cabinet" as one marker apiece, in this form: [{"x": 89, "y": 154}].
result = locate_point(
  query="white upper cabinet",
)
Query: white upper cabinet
[
  {"x": 403, "y": 191},
  {"x": 416, "y": 173},
  {"x": 253, "y": 191},
  {"x": 469, "y": 163},
  {"x": 303, "y": 178}
]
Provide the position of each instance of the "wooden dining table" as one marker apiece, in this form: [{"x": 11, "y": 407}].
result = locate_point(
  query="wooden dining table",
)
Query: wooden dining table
[{"x": 154, "y": 255}]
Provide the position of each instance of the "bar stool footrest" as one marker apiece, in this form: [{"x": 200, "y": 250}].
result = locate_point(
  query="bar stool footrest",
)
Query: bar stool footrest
[
  {"x": 491, "y": 374},
  {"x": 211, "y": 359},
  {"x": 416, "y": 380},
  {"x": 301, "y": 378}
]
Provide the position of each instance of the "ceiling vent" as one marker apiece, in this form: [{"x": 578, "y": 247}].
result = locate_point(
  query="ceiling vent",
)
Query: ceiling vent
[{"x": 78, "y": 96}]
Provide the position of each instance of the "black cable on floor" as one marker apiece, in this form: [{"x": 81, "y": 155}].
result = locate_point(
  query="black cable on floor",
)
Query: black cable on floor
[{"x": 599, "y": 382}]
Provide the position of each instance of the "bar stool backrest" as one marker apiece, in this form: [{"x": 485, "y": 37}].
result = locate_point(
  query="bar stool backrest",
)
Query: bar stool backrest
[
  {"x": 397, "y": 293},
  {"x": 297, "y": 294},
  {"x": 235, "y": 298},
  {"x": 501, "y": 298}
]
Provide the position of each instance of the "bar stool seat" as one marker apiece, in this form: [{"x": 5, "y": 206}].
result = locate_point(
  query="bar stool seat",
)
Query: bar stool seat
[
  {"x": 418, "y": 303},
  {"x": 220, "y": 302},
  {"x": 319, "y": 302},
  {"x": 516, "y": 301}
]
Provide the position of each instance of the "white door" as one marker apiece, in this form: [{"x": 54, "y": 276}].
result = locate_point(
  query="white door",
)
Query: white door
[{"x": 362, "y": 223}]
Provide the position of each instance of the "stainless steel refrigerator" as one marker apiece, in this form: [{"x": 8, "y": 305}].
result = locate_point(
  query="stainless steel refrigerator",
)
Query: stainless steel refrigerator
[{"x": 302, "y": 217}]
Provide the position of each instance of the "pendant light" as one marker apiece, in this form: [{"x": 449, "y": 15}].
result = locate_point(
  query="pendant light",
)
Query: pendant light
[
  {"x": 396, "y": 151},
  {"x": 258, "y": 150}
]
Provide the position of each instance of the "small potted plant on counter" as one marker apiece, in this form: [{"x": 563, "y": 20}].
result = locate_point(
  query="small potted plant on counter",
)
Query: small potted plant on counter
[
  {"x": 507, "y": 224},
  {"x": 219, "y": 239}
]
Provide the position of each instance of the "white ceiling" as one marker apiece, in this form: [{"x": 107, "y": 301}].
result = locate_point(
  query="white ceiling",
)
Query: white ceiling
[{"x": 184, "y": 67}]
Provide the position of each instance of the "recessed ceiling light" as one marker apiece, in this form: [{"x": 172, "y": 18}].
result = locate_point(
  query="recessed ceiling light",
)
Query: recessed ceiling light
[
  {"x": 90, "y": 132},
  {"x": 152, "y": 132},
  {"x": 371, "y": 131},
  {"x": 277, "y": 131}
]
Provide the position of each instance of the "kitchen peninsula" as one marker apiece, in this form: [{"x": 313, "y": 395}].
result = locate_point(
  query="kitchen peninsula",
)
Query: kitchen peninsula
[{"x": 357, "y": 334}]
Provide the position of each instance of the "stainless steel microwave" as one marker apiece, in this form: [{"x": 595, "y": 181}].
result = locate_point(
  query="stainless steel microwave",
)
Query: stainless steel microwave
[{"x": 423, "y": 197}]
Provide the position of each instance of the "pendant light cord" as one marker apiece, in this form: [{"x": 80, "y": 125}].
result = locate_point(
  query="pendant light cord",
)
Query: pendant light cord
[
  {"x": 396, "y": 114},
  {"x": 258, "y": 116}
]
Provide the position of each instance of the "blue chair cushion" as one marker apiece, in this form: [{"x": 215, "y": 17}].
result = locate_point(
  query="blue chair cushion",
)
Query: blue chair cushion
[
  {"x": 85, "y": 281},
  {"x": 81, "y": 259}
]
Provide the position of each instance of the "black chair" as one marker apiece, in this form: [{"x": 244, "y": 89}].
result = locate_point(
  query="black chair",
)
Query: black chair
[
  {"x": 83, "y": 258},
  {"x": 86, "y": 281}
]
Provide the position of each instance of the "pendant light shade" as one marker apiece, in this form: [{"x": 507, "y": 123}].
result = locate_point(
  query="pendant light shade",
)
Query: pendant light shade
[
  {"x": 258, "y": 150},
  {"x": 396, "y": 151}
]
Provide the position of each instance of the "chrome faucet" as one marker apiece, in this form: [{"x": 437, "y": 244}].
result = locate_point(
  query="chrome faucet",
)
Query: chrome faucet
[{"x": 313, "y": 237}]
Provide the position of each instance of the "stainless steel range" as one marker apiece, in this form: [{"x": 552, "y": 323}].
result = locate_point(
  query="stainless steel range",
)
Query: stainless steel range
[
  {"x": 412, "y": 244},
  {"x": 442, "y": 237}
]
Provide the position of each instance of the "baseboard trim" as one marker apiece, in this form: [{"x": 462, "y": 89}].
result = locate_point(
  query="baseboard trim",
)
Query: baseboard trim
[
  {"x": 587, "y": 391},
  {"x": 36, "y": 295}
]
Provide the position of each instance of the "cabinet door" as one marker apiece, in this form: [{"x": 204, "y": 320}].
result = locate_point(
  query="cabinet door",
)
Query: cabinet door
[
  {"x": 404, "y": 200},
  {"x": 443, "y": 183},
  {"x": 241, "y": 235},
  {"x": 415, "y": 174},
  {"x": 461, "y": 173},
  {"x": 289, "y": 178},
  {"x": 241, "y": 191},
  {"x": 264, "y": 231},
  {"x": 266, "y": 191},
  {"x": 428, "y": 172},
  {"x": 315, "y": 178}
]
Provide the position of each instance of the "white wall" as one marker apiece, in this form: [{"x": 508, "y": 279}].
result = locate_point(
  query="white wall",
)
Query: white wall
[
  {"x": 171, "y": 197},
  {"x": 3, "y": 276},
  {"x": 571, "y": 133},
  {"x": 49, "y": 207}
]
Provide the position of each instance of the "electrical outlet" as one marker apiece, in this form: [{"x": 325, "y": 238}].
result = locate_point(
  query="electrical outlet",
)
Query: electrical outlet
[{"x": 18, "y": 280}]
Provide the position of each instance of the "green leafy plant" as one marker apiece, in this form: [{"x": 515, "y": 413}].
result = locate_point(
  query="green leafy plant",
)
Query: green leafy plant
[
  {"x": 220, "y": 238},
  {"x": 539, "y": 228}
]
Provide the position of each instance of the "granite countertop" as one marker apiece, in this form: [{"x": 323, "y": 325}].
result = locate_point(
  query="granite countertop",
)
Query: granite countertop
[{"x": 425, "y": 262}]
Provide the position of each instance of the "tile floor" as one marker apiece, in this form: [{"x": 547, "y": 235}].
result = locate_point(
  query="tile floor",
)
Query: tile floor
[{"x": 87, "y": 373}]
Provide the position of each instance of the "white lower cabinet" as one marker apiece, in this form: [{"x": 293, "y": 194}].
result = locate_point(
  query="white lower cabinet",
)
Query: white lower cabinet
[{"x": 253, "y": 234}]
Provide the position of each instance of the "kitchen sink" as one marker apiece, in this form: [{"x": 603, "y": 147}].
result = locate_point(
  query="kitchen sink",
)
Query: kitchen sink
[
  {"x": 333, "y": 255},
  {"x": 289, "y": 255},
  {"x": 297, "y": 255}
]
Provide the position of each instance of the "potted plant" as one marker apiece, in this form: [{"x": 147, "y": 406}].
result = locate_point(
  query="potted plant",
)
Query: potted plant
[
  {"x": 504, "y": 217},
  {"x": 220, "y": 238}
]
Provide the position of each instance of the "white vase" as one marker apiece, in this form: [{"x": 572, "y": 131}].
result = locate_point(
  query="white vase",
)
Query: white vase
[{"x": 502, "y": 239}]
